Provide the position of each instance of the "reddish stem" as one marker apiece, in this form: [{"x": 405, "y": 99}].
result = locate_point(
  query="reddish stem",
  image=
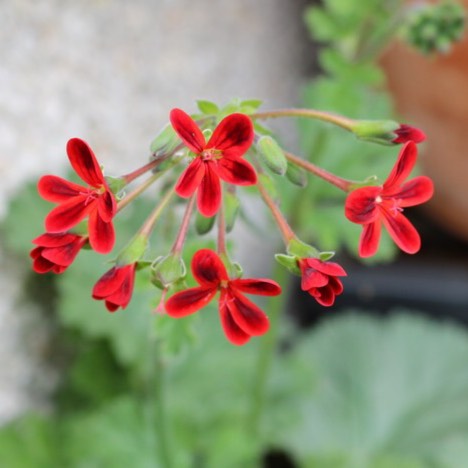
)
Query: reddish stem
[{"x": 181, "y": 235}]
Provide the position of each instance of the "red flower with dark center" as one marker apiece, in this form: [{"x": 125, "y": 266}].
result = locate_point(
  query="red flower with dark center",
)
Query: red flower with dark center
[
  {"x": 56, "y": 252},
  {"x": 372, "y": 206},
  {"x": 76, "y": 202},
  {"x": 240, "y": 317},
  {"x": 116, "y": 287},
  {"x": 220, "y": 158},
  {"x": 407, "y": 133},
  {"x": 320, "y": 279}
]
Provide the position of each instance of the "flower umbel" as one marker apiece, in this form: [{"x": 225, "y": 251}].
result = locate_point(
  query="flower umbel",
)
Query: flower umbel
[
  {"x": 219, "y": 158},
  {"x": 116, "y": 287},
  {"x": 56, "y": 252},
  {"x": 240, "y": 317},
  {"x": 372, "y": 206},
  {"x": 320, "y": 279},
  {"x": 76, "y": 202}
]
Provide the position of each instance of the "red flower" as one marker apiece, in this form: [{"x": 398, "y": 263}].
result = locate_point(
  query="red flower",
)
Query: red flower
[
  {"x": 372, "y": 206},
  {"x": 56, "y": 252},
  {"x": 407, "y": 133},
  {"x": 116, "y": 287},
  {"x": 320, "y": 280},
  {"x": 240, "y": 317},
  {"x": 221, "y": 158},
  {"x": 76, "y": 202}
]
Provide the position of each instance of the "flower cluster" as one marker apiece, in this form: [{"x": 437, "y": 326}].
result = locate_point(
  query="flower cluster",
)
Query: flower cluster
[{"x": 216, "y": 154}]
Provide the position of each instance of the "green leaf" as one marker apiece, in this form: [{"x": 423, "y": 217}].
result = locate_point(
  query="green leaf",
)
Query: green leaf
[
  {"x": 392, "y": 391},
  {"x": 207, "y": 107}
]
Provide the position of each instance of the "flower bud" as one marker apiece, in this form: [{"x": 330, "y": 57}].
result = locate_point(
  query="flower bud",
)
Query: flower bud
[
  {"x": 167, "y": 270},
  {"x": 386, "y": 132},
  {"x": 165, "y": 142},
  {"x": 231, "y": 208},
  {"x": 272, "y": 155},
  {"x": 296, "y": 175},
  {"x": 204, "y": 224},
  {"x": 133, "y": 251}
]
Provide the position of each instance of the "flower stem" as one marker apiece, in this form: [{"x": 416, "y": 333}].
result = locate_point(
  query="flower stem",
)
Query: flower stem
[
  {"x": 152, "y": 218},
  {"x": 265, "y": 355},
  {"x": 335, "y": 119},
  {"x": 221, "y": 231},
  {"x": 342, "y": 184},
  {"x": 138, "y": 191},
  {"x": 286, "y": 231},
  {"x": 142, "y": 170},
  {"x": 181, "y": 235}
]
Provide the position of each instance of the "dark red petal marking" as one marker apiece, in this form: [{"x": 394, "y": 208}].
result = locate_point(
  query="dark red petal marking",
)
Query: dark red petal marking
[
  {"x": 123, "y": 294},
  {"x": 189, "y": 301},
  {"x": 84, "y": 162},
  {"x": 107, "y": 206},
  {"x": 191, "y": 178},
  {"x": 402, "y": 169},
  {"x": 237, "y": 171},
  {"x": 208, "y": 269},
  {"x": 209, "y": 192},
  {"x": 232, "y": 331},
  {"x": 325, "y": 296},
  {"x": 370, "y": 238},
  {"x": 402, "y": 232},
  {"x": 407, "y": 133},
  {"x": 360, "y": 206},
  {"x": 329, "y": 268},
  {"x": 415, "y": 191},
  {"x": 101, "y": 234},
  {"x": 260, "y": 286},
  {"x": 109, "y": 282},
  {"x": 68, "y": 214},
  {"x": 247, "y": 315},
  {"x": 58, "y": 190},
  {"x": 65, "y": 254},
  {"x": 187, "y": 130},
  {"x": 233, "y": 136}
]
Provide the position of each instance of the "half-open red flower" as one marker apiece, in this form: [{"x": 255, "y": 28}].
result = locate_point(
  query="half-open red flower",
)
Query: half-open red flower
[
  {"x": 116, "y": 287},
  {"x": 320, "y": 279},
  {"x": 75, "y": 202},
  {"x": 240, "y": 317},
  {"x": 372, "y": 206},
  {"x": 56, "y": 252},
  {"x": 407, "y": 133},
  {"x": 219, "y": 158}
]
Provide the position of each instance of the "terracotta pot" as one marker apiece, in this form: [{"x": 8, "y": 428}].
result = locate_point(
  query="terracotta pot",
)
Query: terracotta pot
[{"x": 432, "y": 93}]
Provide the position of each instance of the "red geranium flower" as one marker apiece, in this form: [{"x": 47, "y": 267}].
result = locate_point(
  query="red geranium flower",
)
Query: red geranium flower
[
  {"x": 320, "y": 280},
  {"x": 407, "y": 133},
  {"x": 76, "y": 202},
  {"x": 240, "y": 317},
  {"x": 372, "y": 206},
  {"x": 56, "y": 252},
  {"x": 116, "y": 287},
  {"x": 221, "y": 158}
]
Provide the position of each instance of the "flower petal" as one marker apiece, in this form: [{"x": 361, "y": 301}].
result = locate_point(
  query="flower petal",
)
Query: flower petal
[
  {"x": 233, "y": 135},
  {"x": 370, "y": 238},
  {"x": 57, "y": 190},
  {"x": 313, "y": 279},
  {"x": 54, "y": 240},
  {"x": 40, "y": 264},
  {"x": 189, "y": 301},
  {"x": 407, "y": 133},
  {"x": 260, "y": 286},
  {"x": 191, "y": 178},
  {"x": 123, "y": 294},
  {"x": 402, "y": 168},
  {"x": 101, "y": 234},
  {"x": 415, "y": 191},
  {"x": 325, "y": 296},
  {"x": 402, "y": 232},
  {"x": 360, "y": 205},
  {"x": 236, "y": 171},
  {"x": 68, "y": 214},
  {"x": 107, "y": 206},
  {"x": 208, "y": 269},
  {"x": 247, "y": 315},
  {"x": 209, "y": 192},
  {"x": 329, "y": 268},
  {"x": 232, "y": 331},
  {"x": 84, "y": 162},
  {"x": 187, "y": 130},
  {"x": 65, "y": 254}
]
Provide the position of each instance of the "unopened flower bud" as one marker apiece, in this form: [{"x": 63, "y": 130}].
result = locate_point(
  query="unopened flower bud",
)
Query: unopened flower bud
[
  {"x": 204, "y": 224},
  {"x": 167, "y": 270},
  {"x": 296, "y": 175},
  {"x": 231, "y": 208},
  {"x": 272, "y": 155},
  {"x": 165, "y": 142},
  {"x": 386, "y": 132},
  {"x": 133, "y": 251}
]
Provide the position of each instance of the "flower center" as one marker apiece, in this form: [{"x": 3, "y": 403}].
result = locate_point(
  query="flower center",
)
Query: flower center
[
  {"x": 378, "y": 199},
  {"x": 211, "y": 154},
  {"x": 224, "y": 284}
]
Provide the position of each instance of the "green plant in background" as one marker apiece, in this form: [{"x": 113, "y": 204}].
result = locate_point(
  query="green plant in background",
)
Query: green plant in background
[{"x": 355, "y": 392}]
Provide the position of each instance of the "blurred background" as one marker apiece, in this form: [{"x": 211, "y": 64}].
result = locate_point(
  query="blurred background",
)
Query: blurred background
[{"x": 379, "y": 380}]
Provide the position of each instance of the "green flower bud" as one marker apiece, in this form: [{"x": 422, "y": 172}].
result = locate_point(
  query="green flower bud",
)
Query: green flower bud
[
  {"x": 167, "y": 270},
  {"x": 231, "y": 208},
  {"x": 165, "y": 142},
  {"x": 272, "y": 155},
  {"x": 296, "y": 175},
  {"x": 133, "y": 251},
  {"x": 204, "y": 224},
  {"x": 377, "y": 131}
]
